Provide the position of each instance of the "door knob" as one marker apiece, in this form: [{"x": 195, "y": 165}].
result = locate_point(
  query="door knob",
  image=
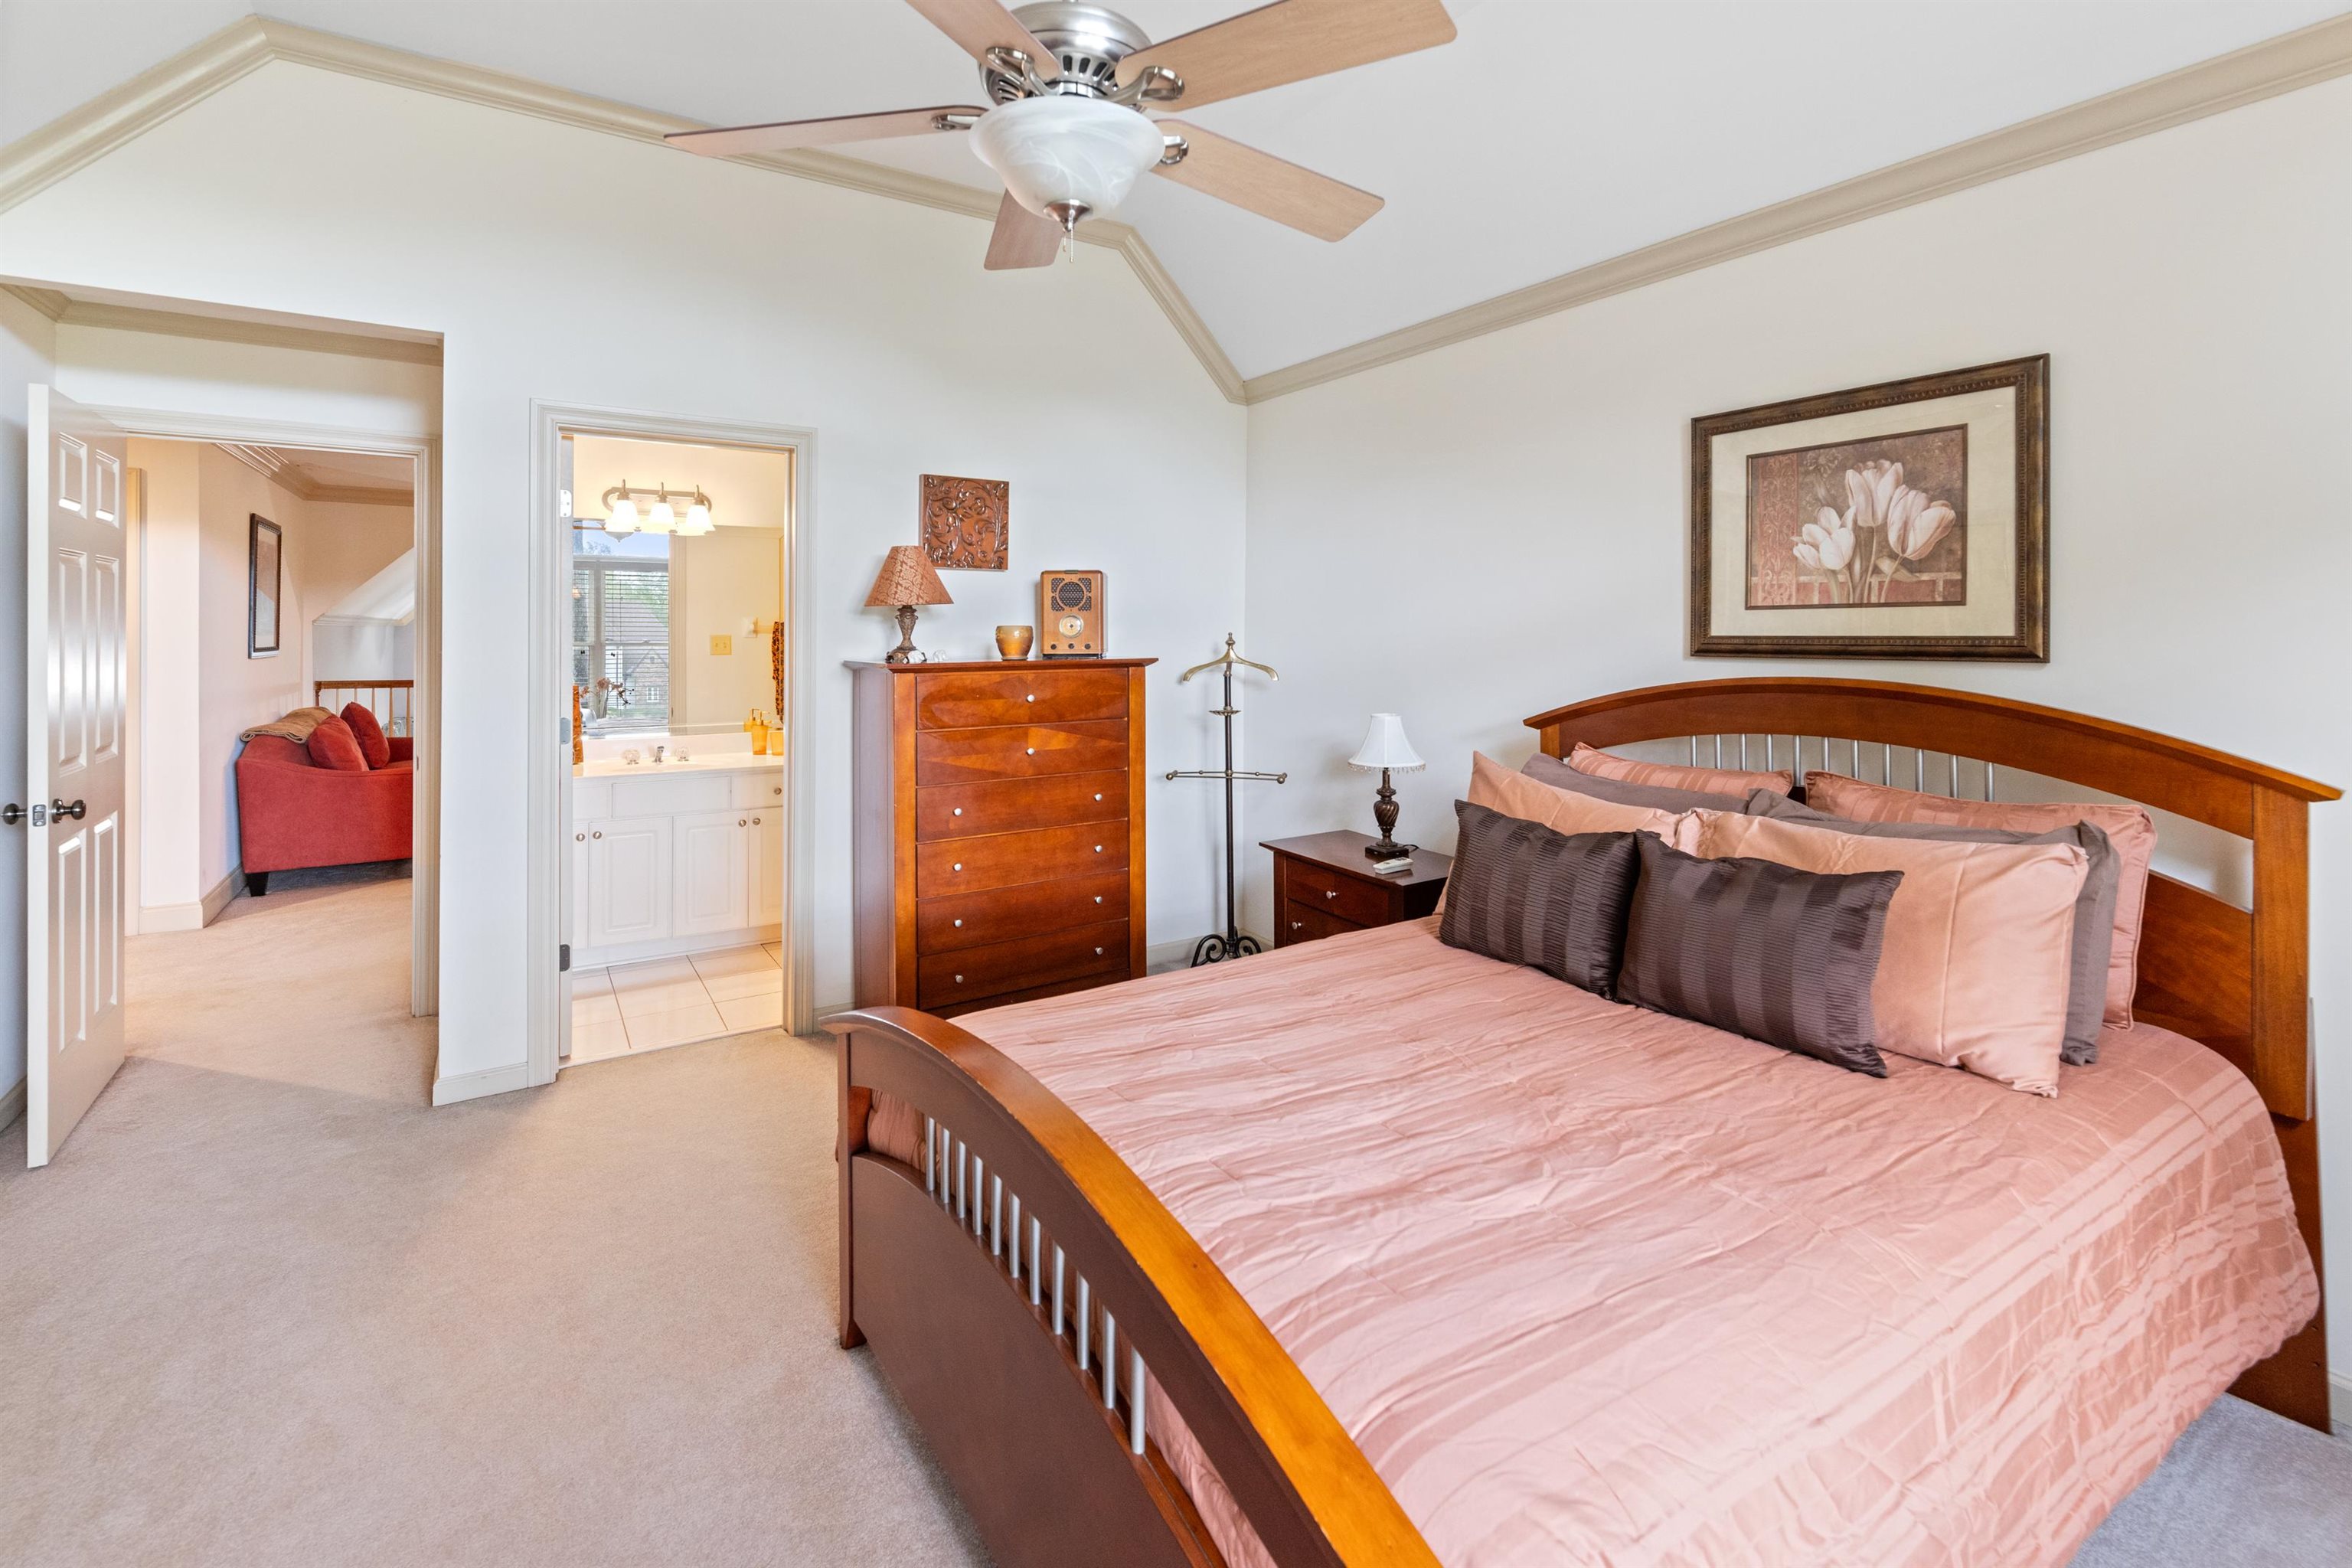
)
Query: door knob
[
  {"x": 12, "y": 814},
  {"x": 60, "y": 808}
]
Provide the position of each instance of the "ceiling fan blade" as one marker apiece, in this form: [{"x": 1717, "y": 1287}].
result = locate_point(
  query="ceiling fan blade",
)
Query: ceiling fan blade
[
  {"x": 979, "y": 26},
  {"x": 736, "y": 139},
  {"x": 1022, "y": 238},
  {"x": 1263, "y": 184},
  {"x": 1291, "y": 40}
]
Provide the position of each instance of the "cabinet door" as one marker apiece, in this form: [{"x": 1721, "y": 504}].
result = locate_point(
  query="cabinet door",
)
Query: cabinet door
[
  {"x": 765, "y": 874},
  {"x": 711, "y": 883},
  {"x": 628, "y": 879}
]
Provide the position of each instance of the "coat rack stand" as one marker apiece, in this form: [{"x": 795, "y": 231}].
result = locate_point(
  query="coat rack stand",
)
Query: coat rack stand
[{"x": 1217, "y": 946}]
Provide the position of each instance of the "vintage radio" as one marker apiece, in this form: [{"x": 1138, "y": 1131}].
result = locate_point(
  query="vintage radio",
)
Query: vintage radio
[{"x": 1070, "y": 614}]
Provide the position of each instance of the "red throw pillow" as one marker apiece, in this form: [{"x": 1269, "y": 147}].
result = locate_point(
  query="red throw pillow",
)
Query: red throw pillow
[
  {"x": 368, "y": 734},
  {"x": 332, "y": 745}
]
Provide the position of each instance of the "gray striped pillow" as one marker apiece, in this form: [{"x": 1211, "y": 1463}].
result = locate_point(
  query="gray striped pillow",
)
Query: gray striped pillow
[
  {"x": 1526, "y": 894},
  {"x": 1760, "y": 949}
]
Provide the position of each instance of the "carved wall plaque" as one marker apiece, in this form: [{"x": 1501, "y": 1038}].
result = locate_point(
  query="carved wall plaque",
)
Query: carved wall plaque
[{"x": 967, "y": 523}]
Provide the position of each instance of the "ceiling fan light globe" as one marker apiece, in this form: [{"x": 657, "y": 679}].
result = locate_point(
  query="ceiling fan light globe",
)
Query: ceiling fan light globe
[{"x": 1067, "y": 150}]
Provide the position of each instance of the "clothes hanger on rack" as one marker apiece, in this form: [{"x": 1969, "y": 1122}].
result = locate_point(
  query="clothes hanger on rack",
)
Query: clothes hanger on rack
[{"x": 1231, "y": 943}]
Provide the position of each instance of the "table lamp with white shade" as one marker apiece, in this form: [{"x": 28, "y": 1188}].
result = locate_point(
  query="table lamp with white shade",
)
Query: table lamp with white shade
[{"x": 1386, "y": 749}]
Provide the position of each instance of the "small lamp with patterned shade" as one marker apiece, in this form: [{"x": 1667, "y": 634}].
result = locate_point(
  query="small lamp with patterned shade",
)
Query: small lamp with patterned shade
[{"x": 906, "y": 581}]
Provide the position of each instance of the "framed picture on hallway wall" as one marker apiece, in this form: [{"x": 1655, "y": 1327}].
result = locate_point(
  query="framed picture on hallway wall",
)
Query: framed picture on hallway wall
[
  {"x": 264, "y": 576},
  {"x": 1909, "y": 520}
]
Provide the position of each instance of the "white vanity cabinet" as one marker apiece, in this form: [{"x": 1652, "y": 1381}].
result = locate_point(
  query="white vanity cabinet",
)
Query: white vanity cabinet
[{"x": 674, "y": 863}]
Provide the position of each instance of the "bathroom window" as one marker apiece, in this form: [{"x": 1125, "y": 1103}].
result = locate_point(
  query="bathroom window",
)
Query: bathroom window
[{"x": 620, "y": 631}]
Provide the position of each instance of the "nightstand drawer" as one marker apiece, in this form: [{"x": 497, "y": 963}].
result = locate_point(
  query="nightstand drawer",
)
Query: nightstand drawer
[
  {"x": 1018, "y": 752},
  {"x": 959, "y": 811},
  {"x": 1008, "y": 859},
  {"x": 1305, "y": 923},
  {"x": 1334, "y": 894},
  {"x": 968, "y": 699},
  {"x": 1008, "y": 914},
  {"x": 948, "y": 978}
]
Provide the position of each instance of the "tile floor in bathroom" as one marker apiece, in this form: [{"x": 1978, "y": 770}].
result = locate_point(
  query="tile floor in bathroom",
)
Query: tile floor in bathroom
[{"x": 671, "y": 1001}]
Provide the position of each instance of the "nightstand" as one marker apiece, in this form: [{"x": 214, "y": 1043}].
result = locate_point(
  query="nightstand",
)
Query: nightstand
[{"x": 1323, "y": 885}]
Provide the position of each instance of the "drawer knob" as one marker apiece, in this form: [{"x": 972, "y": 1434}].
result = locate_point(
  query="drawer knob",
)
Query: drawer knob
[
  {"x": 598, "y": 834},
  {"x": 741, "y": 823},
  {"x": 1099, "y": 953},
  {"x": 958, "y": 925},
  {"x": 959, "y": 979},
  {"x": 582, "y": 839},
  {"x": 1099, "y": 898},
  {"x": 959, "y": 811},
  {"x": 775, "y": 789},
  {"x": 1298, "y": 925},
  {"x": 1098, "y": 848},
  {"x": 755, "y": 822},
  {"x": 1032, "y": 751},
  {"x": 1331, "y": 893},
  {"x": 1031, "y": 698},
  {"x": 1097, "y": 795},
  {"x": 959, "y": 865}
]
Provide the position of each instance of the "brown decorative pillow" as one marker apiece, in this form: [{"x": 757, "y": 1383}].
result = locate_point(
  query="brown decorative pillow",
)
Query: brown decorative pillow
[
  {"x": 1551, "y": 770},
  {"x": 1526, "y": 894},
  {"x": 2094, "y": 907},
  {"x": 1760, "y": 948}
]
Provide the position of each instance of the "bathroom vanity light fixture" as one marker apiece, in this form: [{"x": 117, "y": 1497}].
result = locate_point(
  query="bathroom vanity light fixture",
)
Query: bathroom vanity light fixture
[{"x": 623, "y": 517}]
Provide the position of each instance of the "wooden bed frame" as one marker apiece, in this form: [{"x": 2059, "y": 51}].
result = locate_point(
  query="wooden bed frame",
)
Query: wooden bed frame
[{"x": 1016, "y": 1284}]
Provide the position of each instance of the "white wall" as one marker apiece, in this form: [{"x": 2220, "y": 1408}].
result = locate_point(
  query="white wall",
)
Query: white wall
[
  {"x": 166, "y": 695},
  {"x": 867, "y": 320},
  {"x": 356, "y": 648},
  {"x": 27, "y": 355},
  {"x": 1492, "y": 530}
]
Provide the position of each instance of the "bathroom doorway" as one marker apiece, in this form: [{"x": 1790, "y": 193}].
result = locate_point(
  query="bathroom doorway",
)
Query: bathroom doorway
[{"x": 676, "y": 784}]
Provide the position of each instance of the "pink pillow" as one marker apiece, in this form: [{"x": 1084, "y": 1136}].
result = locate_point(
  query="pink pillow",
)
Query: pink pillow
[
  {"x": 1980, "y": 939},
  {"x": 332, "y": 745},
  {"x": 368, "y": 734},
  {"x": 1499, "y": 788},
  {"x": 1737, "y": 782},
  {"x": 2128, "y": 827}
]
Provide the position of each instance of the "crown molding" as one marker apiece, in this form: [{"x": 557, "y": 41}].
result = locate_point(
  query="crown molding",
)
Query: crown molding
[
  {"x": 73, "y": 140},
  {"x": 2301, "y": 58},
  {"x": 288, "y": 475},
  {"x": 47, "y": 302}
]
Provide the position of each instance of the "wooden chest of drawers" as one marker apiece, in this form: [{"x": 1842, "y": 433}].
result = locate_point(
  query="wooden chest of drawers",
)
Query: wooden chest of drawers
[{"x": 998, "y": 836}]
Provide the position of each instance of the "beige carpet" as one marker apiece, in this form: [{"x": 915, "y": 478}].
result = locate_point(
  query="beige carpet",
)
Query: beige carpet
[{"x": 266, "y": 1307}]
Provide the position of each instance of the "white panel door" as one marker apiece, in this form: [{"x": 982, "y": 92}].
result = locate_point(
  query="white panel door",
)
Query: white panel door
[
  {"x": 765, "y": 839},
  {"x": 712, "y": 881},
  {"x": 628, "y": 879},
  {"x": 74, "y": 766}
]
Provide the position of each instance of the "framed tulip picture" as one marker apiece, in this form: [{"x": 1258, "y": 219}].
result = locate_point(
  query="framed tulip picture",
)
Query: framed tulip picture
[{"x": 1909, "y": 520}]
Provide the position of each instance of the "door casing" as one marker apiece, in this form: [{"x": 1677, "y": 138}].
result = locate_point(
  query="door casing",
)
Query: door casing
[{"x": 548, "y": 709}]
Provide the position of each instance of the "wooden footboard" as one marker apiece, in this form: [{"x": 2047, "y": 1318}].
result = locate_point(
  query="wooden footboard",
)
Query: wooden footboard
[{"x": 1017, "y": 1285}]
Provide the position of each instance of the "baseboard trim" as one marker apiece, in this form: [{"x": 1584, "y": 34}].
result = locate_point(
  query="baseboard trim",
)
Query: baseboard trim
[
  {"x": 12, "y": 1105},
  {"x": 192, "y": 916},
  {"x": 476, "y": 1084}
]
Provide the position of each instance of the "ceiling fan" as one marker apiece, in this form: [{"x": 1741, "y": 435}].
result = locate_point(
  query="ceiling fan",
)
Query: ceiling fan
[{"x": 1064, "y": 126}]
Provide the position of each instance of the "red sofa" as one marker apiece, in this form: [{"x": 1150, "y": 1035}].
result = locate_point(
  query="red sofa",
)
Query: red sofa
[{"x": 293, "y": 814}]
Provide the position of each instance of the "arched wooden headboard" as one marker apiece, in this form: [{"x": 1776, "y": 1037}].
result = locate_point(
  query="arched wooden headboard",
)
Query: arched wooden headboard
[{"x": 2237, "y": 980}]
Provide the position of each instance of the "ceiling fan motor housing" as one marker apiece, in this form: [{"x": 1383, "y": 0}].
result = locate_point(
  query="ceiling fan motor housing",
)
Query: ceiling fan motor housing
[{"x": 1087, "y": 42}]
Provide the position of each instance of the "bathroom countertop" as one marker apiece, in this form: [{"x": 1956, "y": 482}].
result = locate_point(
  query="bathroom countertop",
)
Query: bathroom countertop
[{"x": 699, "y": 762}]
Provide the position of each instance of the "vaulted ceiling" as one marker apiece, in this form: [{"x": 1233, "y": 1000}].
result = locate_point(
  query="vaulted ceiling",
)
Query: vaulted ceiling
[{"x": 1550, "y": 135}]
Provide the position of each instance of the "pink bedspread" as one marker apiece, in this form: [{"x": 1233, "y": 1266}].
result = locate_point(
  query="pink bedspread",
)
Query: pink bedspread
[{"x": 1591, "y": 1285}]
